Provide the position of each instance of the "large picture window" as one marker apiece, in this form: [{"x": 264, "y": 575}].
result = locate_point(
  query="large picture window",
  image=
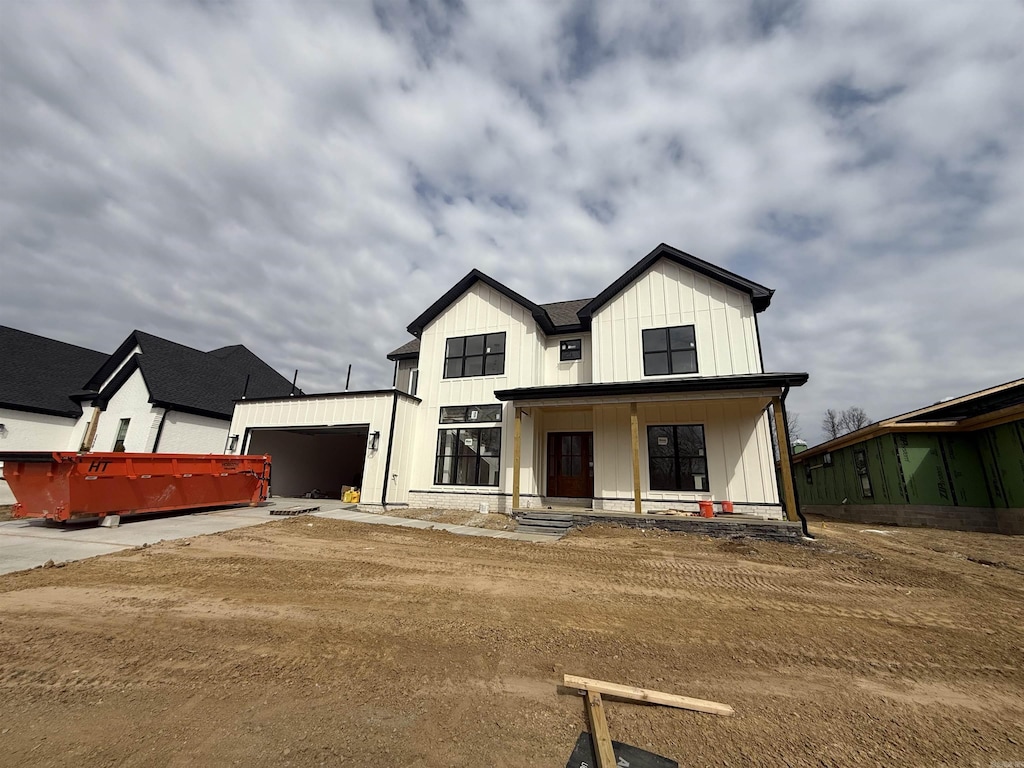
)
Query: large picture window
[
  {"x": 468, "y": 456},
  {"x": 670, "y": 350},
  {"x": 480, "y": 355},
  {"x": 677, "y": 458}
]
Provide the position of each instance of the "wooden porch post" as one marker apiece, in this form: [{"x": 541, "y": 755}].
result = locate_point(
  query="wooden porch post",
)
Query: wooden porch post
[
  {"x": 785, "y": 465},
  {"x": 90, "y": 432},
  {"x": 634, "y": 435},
  {"x": 517, "y": 444}
]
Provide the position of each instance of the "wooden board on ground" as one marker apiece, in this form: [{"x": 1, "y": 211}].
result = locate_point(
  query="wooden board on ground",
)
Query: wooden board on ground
[
  {"x": 643, "y": 694},
  {"x": 583, "y": 755},
  {"x": 301, "y": 509},
  {"x": 599, "y": 729}
]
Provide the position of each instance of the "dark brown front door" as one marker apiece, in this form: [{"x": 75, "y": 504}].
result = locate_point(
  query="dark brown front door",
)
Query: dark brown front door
[{"x": 571, "y": 464}]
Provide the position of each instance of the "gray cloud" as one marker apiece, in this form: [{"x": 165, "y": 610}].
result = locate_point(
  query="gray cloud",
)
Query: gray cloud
[{"x": 306, "y": 179}]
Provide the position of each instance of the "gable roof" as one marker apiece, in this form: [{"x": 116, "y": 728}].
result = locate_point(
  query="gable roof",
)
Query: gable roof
[
  {"x": 570, "y": 316},
  {"x": 760, "y": 296},
  {"x": 475, "y": 275},
  {"x": 186, "y": 379},
  {"x": 977, "y": 410},
  {"x": 39, "y": 374},
  {"x": 562, "y": 315}
]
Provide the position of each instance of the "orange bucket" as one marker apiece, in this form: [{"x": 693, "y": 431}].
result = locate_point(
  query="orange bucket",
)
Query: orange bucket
[
  {"x": 707, "y": 508},
  {"x": 727, "y": 506}
]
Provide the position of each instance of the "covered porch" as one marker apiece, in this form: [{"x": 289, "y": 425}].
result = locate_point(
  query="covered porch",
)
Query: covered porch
[{"x": 647, "y": 447}]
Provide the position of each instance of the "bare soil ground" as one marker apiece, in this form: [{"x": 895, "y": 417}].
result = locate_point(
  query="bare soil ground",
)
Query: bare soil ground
[
  {"x": 490, "y": 520},
  {"x": 316, "y": 642}
]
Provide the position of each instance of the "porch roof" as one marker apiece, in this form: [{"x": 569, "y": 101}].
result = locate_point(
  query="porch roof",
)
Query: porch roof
[{"x": 738, "y": 383}]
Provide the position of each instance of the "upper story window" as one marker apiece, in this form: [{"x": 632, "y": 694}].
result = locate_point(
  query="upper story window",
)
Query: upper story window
[
  {"x": 480, "y": 355},
  {"x": 122, "y": 433},
  {"x": 570, "y": 349},
  {"x": 467, "y": 414},
  {"x": 670, "y": 350},
  {"x": 414, "y": 381}
]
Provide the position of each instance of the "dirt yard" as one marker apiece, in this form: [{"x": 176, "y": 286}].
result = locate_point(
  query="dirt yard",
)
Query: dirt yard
[
  {"x": 491, "y": 520},
  {"x": 312, "y": 642}
]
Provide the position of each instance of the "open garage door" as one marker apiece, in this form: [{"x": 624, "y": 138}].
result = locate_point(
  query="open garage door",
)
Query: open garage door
[{"x": 315, "y": 458}]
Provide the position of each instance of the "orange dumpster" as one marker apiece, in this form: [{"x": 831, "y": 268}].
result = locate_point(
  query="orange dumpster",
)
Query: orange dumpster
[{"x": 64, "y": 486}]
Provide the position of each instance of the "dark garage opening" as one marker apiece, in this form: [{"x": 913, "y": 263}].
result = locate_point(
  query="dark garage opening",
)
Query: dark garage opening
[{"x": 320, "y": 458}]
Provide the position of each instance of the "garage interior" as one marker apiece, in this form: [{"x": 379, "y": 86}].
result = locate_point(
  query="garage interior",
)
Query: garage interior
[{"x": 306, "y": 459}]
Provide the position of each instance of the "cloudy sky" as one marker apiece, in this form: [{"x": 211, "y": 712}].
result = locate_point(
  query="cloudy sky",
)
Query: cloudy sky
[{"x": 305, "y": 178}]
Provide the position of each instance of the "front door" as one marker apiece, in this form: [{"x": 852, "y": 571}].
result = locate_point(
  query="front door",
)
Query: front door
[{"x": 571, "y": 464}]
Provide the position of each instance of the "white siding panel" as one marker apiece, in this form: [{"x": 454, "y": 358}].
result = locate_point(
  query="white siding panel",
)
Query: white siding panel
[
  {"x": 668, "y": 295},
  {"x": 131, "y": 402}
]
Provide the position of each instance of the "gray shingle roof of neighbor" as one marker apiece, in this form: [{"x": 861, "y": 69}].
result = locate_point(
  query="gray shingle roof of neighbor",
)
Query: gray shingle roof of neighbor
[
  {"x": 190, "y": 380},
  {"x": 38, "y": 374}
]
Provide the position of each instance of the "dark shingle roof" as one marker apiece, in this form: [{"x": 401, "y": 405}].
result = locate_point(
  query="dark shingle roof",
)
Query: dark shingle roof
[
  {"x": 562, "y": 314},
  {"x": 38, "y": 374},
  {"x": 187, "y": 379}
]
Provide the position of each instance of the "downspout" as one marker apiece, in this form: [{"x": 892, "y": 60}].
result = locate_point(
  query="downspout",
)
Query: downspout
[
  {"x": 387, "y": 461},
  {"x": 796, "y": 493}
]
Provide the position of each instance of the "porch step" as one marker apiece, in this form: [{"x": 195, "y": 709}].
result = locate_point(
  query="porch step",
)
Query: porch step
[{"x": 545, "y": 523}]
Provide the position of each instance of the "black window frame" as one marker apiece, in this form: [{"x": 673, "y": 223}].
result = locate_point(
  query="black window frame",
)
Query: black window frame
[
  {"x": 860, "y": 466},
  {"x": 566, "y": 352},
  {"x": 457, "y": 348},
  {"x": 122, "y": 435},
  {"x": 440, "y": 454},
  {"x": 671, "y": 348},
  {"x": 467, "y": 414},
  {"x": 678, "y": 460}
]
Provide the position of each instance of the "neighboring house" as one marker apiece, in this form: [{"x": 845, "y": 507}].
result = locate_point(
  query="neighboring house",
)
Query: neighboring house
[
  {"x": 37, "y": 378},
  {"x": 649, "y": 396},
  {"x": 150, "y": 395},
  {"x": 958, "y": 464}
]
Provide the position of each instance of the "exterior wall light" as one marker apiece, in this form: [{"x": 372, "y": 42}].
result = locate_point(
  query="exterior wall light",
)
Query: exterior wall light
[{"x": 374, "y": 440}]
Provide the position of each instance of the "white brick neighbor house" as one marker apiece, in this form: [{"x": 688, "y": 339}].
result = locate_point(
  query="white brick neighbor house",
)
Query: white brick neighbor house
[
  {"x": 151, "y": 395},
  {"x": 651, "y": 395}
]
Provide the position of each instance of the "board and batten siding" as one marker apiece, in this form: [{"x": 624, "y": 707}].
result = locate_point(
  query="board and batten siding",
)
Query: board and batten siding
[
  {"x": 669, "y": 295},
  {"x": 480, "y": 309},
  {"x": 352, "y": 409},
  {"x": 556, "y": 371},
  {"x": 737, "y": 445}
]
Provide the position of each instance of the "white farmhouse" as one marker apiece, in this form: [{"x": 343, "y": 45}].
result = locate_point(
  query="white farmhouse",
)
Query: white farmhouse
[{"x": 651, "y": 395}]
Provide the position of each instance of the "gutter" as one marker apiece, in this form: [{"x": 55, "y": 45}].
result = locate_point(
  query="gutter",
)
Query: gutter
[
  {"x": 792, "y": 473},
  {"x": 387, "y": 461}
]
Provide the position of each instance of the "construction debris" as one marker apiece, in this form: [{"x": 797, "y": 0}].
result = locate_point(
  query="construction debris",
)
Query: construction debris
[
  {"x": 300, "y": 509},
  {"x": 603, "y": 748}
]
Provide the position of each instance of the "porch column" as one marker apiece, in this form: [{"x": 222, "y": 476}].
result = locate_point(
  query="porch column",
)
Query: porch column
[
  {"x": 634, "y": 436},
  {"x": 785, "y": 466},
  {"x": 517, "y": 444},
  {"x": 90, "y": 431}
]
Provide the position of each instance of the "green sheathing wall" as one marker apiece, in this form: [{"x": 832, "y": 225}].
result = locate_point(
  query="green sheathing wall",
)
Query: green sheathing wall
[
  {"x": 1002, "y": 455},
  {"x": 840, "y": 481},
  {"x": 981, "y": 469},
  {"x": 966, "y": 471},
  {"x": 924, "y": 471}
]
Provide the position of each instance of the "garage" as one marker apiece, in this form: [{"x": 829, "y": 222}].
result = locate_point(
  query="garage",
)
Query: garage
[{"x": 307, "y": 459}]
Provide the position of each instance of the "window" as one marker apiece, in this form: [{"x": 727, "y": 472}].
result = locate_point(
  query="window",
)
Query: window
[
  {"x": 122, "y": 433},
  {"x": 807, "y": 474},
  {"x": 468, "y": 456},
  {"x": 860, "y": 464},
  {"x": 669, "y": 350},
  {"x": 232, "y": 443},
  {"x": 481, "y": 355},
  {"x": 570, "y": 349},
  {"x": 463, "y": 414},
  {"x": 677, "y": 459},
  {"x": 414, "y": 381}
]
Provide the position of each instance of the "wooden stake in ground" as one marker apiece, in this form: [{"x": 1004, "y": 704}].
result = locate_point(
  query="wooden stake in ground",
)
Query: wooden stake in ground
[
  {"x": 599, "y": 731},
  {"x": 645, "y": 694}
]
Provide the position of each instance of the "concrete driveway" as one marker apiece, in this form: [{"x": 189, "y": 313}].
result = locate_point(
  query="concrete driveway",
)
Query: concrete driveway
[{"x": 29, "y": 543}]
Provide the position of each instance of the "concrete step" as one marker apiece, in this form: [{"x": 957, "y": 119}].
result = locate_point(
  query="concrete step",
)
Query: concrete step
[{"x": 555, "y": 533}]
